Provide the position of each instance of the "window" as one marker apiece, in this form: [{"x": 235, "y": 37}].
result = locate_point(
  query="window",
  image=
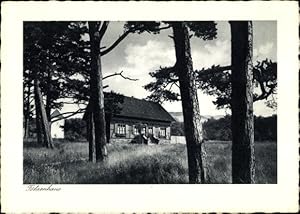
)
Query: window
[
  {"x": 162, "y": 132},
  {"x": 121, "y": 129},
  {"x": 150, "y": 130},
  {"x": 143, "y": 131},
  {"x": 135, "y": 131}
]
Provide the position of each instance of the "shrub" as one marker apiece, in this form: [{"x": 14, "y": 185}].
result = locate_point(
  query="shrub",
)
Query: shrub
[{"x": 75, "y": 129}]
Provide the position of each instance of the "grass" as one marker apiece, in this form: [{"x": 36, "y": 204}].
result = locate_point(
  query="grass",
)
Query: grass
[{"x": 137, "y": 164}]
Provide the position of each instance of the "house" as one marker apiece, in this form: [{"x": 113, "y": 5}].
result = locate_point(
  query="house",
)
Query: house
[
  {"x": 57, "y": 130},
  {"x": 139, "y": 121}
]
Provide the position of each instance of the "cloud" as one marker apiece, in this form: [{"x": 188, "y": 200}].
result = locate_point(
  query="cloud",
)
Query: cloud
[
  {"x": 217, "y": 53},
  {"x": 140, "y": 59},
  {"x": 263, "y": 51},
  {"x": 150, "y": 56}
]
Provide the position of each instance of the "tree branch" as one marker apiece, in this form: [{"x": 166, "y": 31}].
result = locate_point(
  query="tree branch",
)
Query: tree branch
[
  {"x": 65, "y": 117},
  {"x": 103, "y": 29},
  {"x": 217, "y": 69},
  {"x": 166, "y": 27},
  {"x": 107, "y": 50},
  {"x": 119, "y": 74}
]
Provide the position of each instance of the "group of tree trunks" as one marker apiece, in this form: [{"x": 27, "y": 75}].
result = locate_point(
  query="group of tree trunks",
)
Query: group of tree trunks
[{"x": 241, "y": 104}]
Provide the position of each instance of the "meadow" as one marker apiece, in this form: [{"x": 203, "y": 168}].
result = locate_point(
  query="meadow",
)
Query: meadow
[{"x": 138, "y": 164}]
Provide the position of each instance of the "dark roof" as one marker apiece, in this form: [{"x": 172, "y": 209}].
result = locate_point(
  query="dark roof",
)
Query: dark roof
[{"x": 142, "y": 109}]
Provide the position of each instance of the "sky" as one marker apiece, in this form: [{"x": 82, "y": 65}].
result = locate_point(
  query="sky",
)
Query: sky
[{"x": 140, "y": 54}]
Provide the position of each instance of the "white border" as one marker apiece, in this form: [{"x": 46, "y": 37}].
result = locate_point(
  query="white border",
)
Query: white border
[{"x": 281, "y": 197}]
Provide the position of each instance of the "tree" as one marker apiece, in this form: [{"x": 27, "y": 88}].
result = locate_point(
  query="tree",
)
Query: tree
[
  {"x": 41, "y": 117},
  {"x": 216, "y": 81},
  {"x": 243, "y": 163},
  {"x": 96, "y": 33},
  {"x": 97, "y": 117},
  {"x": 53, "y": 52},
  {"x": 190, "y": 105},
  {"x": 184, "y": 73}
]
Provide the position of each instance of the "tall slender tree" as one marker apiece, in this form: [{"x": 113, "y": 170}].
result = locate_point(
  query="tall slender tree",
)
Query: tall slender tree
[
  {"x": 97, "y": 30},
  {"x": 243, "y": 163},
  {"x": 190, "y": 105},
  {"x": 41, "y": 116},
  {"x": 96, "y": 33}
]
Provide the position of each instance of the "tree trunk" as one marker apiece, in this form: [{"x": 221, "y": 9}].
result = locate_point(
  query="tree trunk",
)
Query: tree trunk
[
  {"x": 48, "y": 97},
  {"x": 38, "y": 121},
  {"x": 242, "y": 102},
  {"x": 91, "y": 137},
  {"x": 27, "y": 114},
  {"x": 107, "y": 121},
  {"x": 48, "y": 107},
  {"x": 97, "y": 95},
  {"x": 190, "y": 106},
  {"x": 41, "y": 115}
]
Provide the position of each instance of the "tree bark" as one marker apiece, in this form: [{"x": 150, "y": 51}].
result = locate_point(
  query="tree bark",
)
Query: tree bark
[
  {"x": 243, "y": 163},
  {"x": 38, "y": 121},
  {"x": 27, "y": 114},
  {"x": 48, "y": 97},
  {"x": 91, "y": 137},
  {"x": 190, "y": 105},
  {"x": 97, "y": 96},
  {"x": 41, "y": 115},
  {"x": 107, "y": 128}
]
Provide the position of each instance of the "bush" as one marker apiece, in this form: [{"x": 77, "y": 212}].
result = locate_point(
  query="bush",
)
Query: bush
[
  {"x": 177, "y": 129},
  {"x": 218, "y": 129},
  {"x": 75, "y": 129}
]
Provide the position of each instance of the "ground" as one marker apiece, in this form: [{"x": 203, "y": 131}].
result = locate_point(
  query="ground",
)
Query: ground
[{"x": 138, "y": 164}]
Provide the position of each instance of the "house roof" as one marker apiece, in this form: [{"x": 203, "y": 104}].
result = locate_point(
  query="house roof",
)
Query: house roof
[
  {"x": 178, "y": 116},
  {"x": 133, "y": 107},
  {"x": 56, "y": 113},
  {"x": 142, "y": 109}
]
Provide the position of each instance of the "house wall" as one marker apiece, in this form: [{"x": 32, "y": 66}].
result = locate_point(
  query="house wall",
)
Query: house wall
[
  {"x": 130, "y": 136},
  {"x": 56, "y": 129}
]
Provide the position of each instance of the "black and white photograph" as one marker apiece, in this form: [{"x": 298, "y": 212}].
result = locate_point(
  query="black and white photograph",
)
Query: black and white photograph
[
  {"x": 150, "y": 102},
  {"x": 135, "y": 107}
]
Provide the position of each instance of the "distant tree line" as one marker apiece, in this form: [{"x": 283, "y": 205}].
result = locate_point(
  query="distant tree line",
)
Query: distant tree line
[{"x": 265, "y": 128}]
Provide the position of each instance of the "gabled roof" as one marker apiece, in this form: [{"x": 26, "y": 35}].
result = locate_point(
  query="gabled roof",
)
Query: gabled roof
[
  {"x": 56, "y": 113},
  {"x": 141, "y": 109},
  {"x": 178, "y": 116}
]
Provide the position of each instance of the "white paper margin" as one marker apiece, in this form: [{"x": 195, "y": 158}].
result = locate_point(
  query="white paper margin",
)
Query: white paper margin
[{"x": 145, "y": 198}]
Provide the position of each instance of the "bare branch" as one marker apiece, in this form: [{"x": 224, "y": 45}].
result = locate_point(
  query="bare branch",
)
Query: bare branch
[
  {"x": 172, "y": 37},
  {"x": 107, "y": 50},
  {"x": 120, "y": 74},
  {"x": 61, "y": 117}
]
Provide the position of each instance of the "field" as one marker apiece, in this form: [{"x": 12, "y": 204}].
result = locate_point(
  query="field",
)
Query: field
[{"x": 138, "y": 164}]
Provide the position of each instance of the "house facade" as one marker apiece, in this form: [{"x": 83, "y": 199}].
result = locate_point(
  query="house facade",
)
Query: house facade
[{"x": 140, "y": 121}]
